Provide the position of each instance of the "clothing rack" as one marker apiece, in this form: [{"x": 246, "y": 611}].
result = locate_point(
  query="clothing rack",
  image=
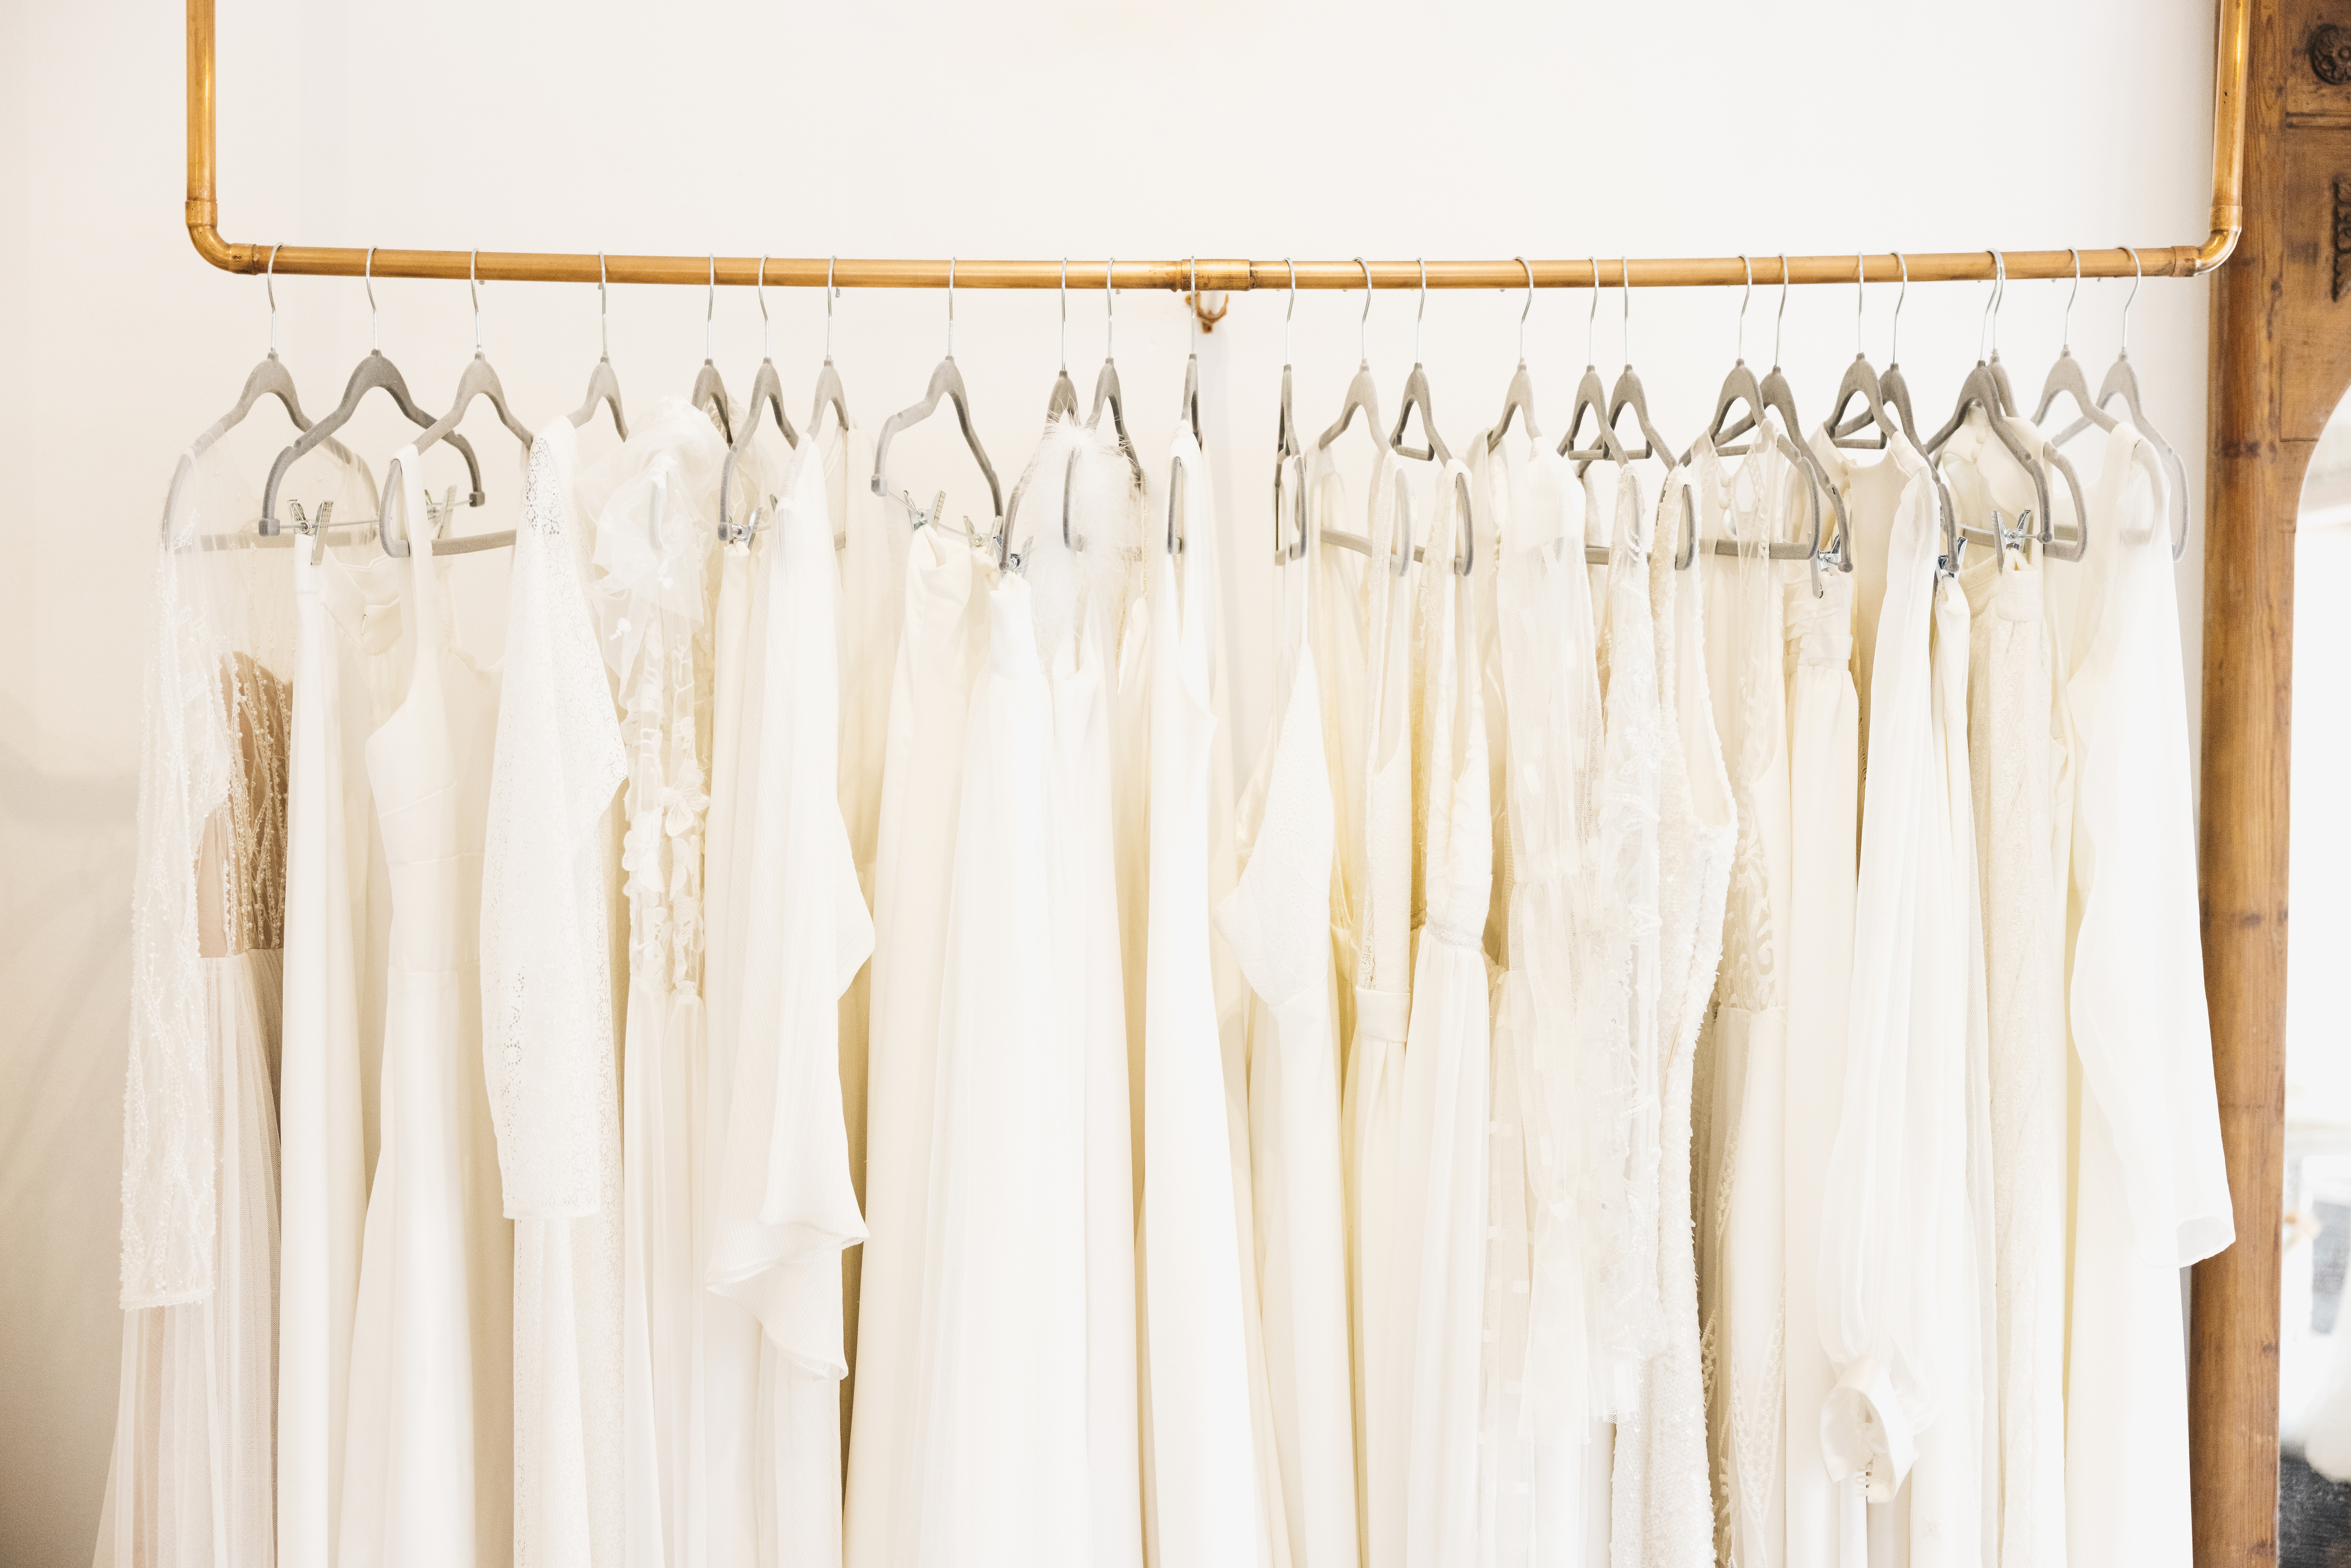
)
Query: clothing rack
[{"x": 1215, "y": 274}]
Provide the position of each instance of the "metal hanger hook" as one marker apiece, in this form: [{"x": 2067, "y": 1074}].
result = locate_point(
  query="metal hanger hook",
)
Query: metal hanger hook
[
  {"x": 1528, "y": 308},
  {"x": 375, "y": 322},
  {"x": 1192, "y": 277},
  {"x": 1110, "y": 310},
  {"x": 1624, "y": 320},
  {"x": 759, "y": 287},
  {"x": 1421, "y": 314},
  {"x": 1364, "y": 324},
  {"x": 1591, "y": 316},
  {"x": 828, "y": 292},
  {"x": 711, "y": 308},
  {"x": 474, "y": 292},
  {"x": 1744, "y": 297},
  {"x": 269, "y": 281},
  {"x": 1860, "y": 302},
  {"x": 603, "y": 313},
  {"x": 1065, "y": 315},
  {"x": 2065, "y": 331},
  {"x": 1998, "y": 297},
  {"x": 1893, "y": 344},
  {"x": 1780, "y": 317},
  {"x": 1991, "y": 304},
  {"x": 951, "y": 261},
  {"x": 2138, "y": 276},
  {"x": 1286, "y": 315}
]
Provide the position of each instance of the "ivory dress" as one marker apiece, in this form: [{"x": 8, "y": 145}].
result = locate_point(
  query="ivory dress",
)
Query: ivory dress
[
  {"x": 1001, "y": 1408},
  {"x": 782, "y": 1204},
  {"x": 349, "y": 673},
  {"x": 548, "y": 1046},
  {"x": 1274, "y": 921},
  {"x": 1440, "y": 1186},
  {"x": 1536, "y": 1401},
  {"x": 189, "y": 1478},
  {"x": 1745, "y": 1312},
  {"x": 428, "y": 1477},
  {"x": 1661, "y": 1513},
  {"x": 2011, "y": 757},
  {"x": 2153, "y": 1193},
  {"x": 1202, "y": 1449},
  {"x": 656, "y": 500},
  {"x": 939, "y": 653}
]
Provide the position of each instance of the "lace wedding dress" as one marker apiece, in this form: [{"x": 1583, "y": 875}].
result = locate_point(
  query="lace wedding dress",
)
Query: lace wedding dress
[{"x": 189, "y": 1478}]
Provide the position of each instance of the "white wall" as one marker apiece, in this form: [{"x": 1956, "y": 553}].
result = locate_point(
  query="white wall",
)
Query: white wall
[{"x": 919, "y": 128}]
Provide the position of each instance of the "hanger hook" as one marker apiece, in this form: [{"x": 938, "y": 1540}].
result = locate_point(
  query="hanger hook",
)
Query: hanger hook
[
  {"x": 1624, "y": 322},
  {"x": 1860, "y": 302},
  {"x": 1747, "y": 295},
  {"x": 1992, "y": 303},
  {"x": 711, "y": 308},
  {"x": 474, "y": 291},
  {"x": 1192, "y": 277},
  {"x": 1421, "y": 314},
  {"x": 603, "y": 313},
  {"x": 1894, "y": 346},
  {"x": 759, "y": 286},
  {"x": 1528, "y": 307},
  {"x": 1998, "y": 297},
  {"x": 375, "y": 322},
  {"x": 1110, "y": 310},
  {"x": 1364, "y": 324},
  {"x": 1286, "y": 315},
  {"x": 2138, "y": 276},
  {"x": 830, "y": 291},
  {"x": 951, "y": 264},
  {"x": 2066, "y": 332},
  {"x": 1778, "y": 319},
  {"x": 1591, "y": 316},
  {"x": 1065, "y": 315},
  {"x": 269, "y": 281}
]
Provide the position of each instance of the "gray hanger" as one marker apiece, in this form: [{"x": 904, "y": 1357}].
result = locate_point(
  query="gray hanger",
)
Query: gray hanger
[
  {"x": 1286, "y": 448},
  {"x": 1190, "y": 408},
  {"x": 1742, "y": 387},
  {"x": 478, "y": 380},
  {"x": 1362, "y": 392},
  {"x": 1465, "y": 558},
  {"x": 1739, "y": 386},
  {"x": 709, "y": 392},
  {"x": 372, "y": 373},
  {"x": 1778, "y": 395},
  {"x": 1860, "y": 381},
  {"x": 1519, "y": 397},
  {"x": 1106, "y": 387},
  {"x": 1398, "y": 558},
  {"x": 1628, "y": 391},
  {"x": 1982, "y": 390},
  {"x": 827, "y": 380},
  {"x": 767, "y": 390},
  {"x": 268, "y": 379},
  {"x": 2065, "y": 376},
  {"x": 1416, "y": 395},
  {"x": 1592, "y": 397},
  {"x": 2122, "y": 381},
  {"x": 1065, "y": 391},
  {"x": 603, "y": 386},
  {"x": 946, "y": 382}
]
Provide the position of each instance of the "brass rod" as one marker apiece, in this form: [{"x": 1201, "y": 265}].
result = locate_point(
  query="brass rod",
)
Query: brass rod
[{"x": 1218, "y": 274}]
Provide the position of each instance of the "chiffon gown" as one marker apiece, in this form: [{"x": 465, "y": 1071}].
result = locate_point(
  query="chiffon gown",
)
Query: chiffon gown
[
  {"x": 1660, "y": 1510},
  {"x": 1274, "y": 922},
  {"x": 190, "y": 1476},
  {"x": 2010, "y": 697},
  {"x": 1536, "y": 1404},
  {"x": 548, "y": 1027},
  {"x": 782, "y": 1204},
  {"x": 1742, "y": 1263},
  {"x": 427, "y": 1476},
  {"x": 1439, "y": 1240},
  {"x": 2153, "y": 1192},
  {"x": 349, "y": 673},
  {"x": 653, "y": 501},
  {"x": 939, "y": 654}
]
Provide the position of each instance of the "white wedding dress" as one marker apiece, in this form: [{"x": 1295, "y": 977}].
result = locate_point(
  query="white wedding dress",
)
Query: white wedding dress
[
  {"x": 944, "y": 641},
  {"x": 548, "y": 1026},
  {"x": 2153, "y": 1192},
  {"x": 428, "y": 1477},
  {"x": 190, "y": 1477},
  {"x": 349, "y": 673},
  {"x": 1661, "y": 1513},
  {"x": 1275, "y": 922}
]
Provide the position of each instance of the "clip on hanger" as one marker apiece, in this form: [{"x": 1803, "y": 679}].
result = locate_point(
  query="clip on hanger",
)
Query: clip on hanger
[
  {"x": 478, "y": 380},
  {"x": 946, "y": 382},
  {"x": 1591, "y": 398},
  {"x": 1106, "y": 387},
  {"x": 373, "y": 373},
  {"x": 2122, "y": 381},
  {"x": 767, "y": 392},
  {"x": 603, "y": 386},
  {"x": 1417, "y": 393}
]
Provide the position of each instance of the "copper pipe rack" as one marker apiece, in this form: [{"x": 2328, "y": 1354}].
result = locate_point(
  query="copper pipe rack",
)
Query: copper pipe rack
[{"x": 1211, "y": 273}]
